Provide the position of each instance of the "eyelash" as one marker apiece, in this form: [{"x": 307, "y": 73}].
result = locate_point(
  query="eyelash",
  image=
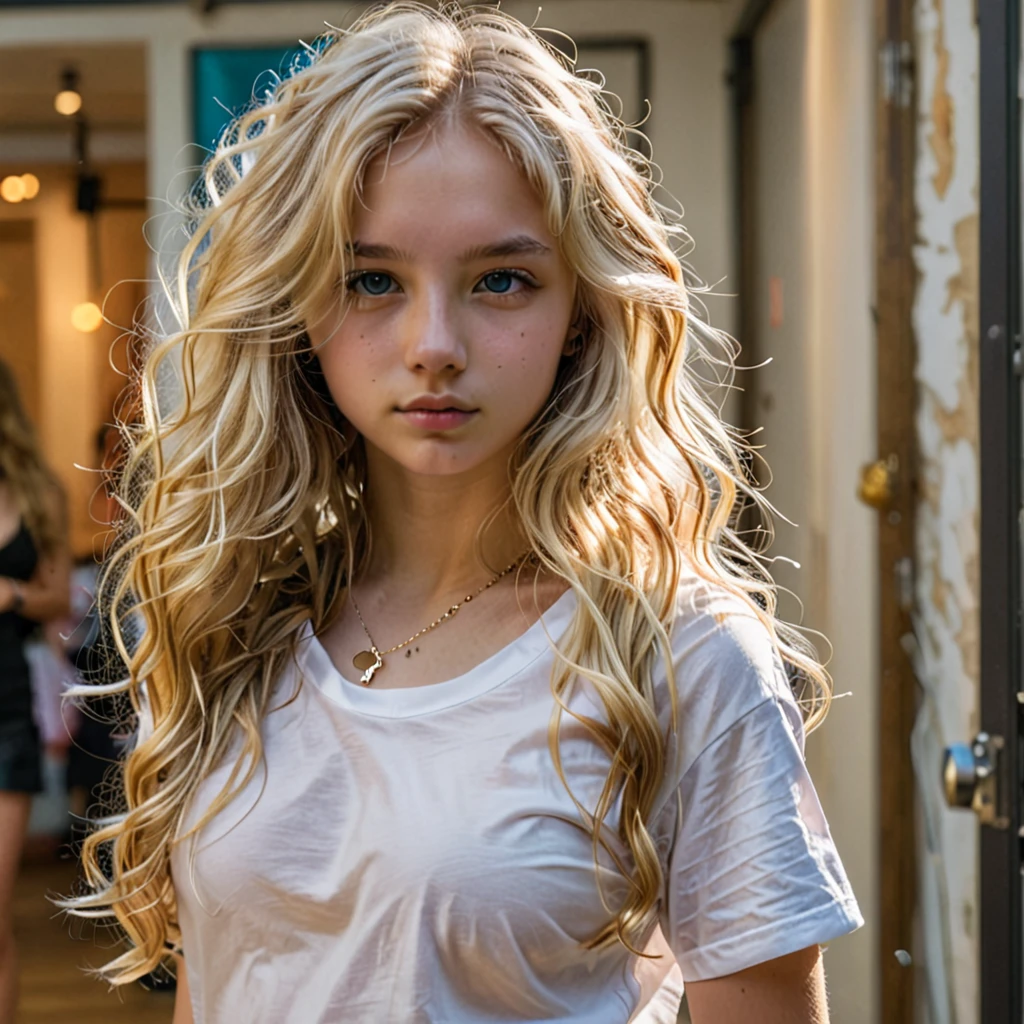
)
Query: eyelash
[{"x": 354, "y": 278}]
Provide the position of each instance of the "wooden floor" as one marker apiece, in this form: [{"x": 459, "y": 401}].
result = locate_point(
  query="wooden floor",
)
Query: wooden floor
[{"x": 54, "y": 988}]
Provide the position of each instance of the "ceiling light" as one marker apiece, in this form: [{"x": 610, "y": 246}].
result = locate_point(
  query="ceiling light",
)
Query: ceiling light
[
  {"x": 86, "y": 317},
  {"x": 12, "y": 189},
  {"x": 68, "y": 101},
  {"x": 31, "y": 183}
]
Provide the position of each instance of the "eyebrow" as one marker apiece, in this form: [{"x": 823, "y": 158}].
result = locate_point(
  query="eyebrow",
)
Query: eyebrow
[{"x": 517, "y": 245}]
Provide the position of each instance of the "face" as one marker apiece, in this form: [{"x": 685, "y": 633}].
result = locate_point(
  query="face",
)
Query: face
[{"x": 448, "y": 338}]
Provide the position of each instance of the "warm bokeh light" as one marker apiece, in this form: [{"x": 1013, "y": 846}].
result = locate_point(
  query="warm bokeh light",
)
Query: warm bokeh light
[
  {"x": 67, "y": 102},
  {"x": 86, "y": 316},
  {"x": 12, "y": 189},
  {"x": 31, "y": 183}
]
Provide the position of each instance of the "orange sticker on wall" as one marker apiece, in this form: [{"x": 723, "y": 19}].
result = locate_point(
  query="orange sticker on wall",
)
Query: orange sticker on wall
[{"x": 775, "y": 309}]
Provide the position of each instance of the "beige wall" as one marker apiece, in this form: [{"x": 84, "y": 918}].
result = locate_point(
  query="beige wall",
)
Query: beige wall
[
  {"x": 816, "y": 402},
  {"x": 842, "y": 399}
]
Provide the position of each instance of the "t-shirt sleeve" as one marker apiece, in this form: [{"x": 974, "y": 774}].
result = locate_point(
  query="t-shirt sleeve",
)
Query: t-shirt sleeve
[{"x": 752, "y": 872}]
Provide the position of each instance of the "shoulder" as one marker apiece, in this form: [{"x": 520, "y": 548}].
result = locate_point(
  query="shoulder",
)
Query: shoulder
[{"x": 724, "y": 665}]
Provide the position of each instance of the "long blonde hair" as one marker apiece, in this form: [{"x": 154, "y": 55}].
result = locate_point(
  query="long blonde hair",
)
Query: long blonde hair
[
  {"x": 36, "y": 489},
  {"x": 246, "y": 497}
]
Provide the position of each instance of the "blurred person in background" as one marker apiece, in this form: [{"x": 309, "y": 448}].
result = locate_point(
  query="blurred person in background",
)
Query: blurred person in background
[{"x": 35, "y": 566}]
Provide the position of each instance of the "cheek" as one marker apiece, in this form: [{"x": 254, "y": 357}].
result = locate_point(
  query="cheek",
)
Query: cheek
[
  {"x": 351, "y": 362},
  {"x": 524, "y": 364}
]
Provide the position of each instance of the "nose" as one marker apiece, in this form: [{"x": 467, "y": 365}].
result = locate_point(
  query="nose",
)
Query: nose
[{"x": 433, "y": 340}]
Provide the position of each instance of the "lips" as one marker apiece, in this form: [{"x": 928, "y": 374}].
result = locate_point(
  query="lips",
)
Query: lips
[
  {"x": 436, "y": 403},
  {"x": 436, "y": 412}
]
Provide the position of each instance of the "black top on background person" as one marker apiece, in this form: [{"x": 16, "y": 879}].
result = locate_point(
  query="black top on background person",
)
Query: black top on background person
[{"x": 19, "y": 739}]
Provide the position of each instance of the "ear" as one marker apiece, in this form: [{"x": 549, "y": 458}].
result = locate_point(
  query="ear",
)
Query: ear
[{"x": 573, "y": 343}]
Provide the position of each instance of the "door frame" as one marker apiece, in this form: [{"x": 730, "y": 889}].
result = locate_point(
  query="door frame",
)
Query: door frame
[
  {"x": 895, "y": 145},
  {"x": 1000, "y": 953},
  {"x": 897, "y": 398}
]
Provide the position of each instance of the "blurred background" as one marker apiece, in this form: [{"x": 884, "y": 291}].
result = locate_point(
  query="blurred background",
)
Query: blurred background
[{"x": 829, "y": 155}]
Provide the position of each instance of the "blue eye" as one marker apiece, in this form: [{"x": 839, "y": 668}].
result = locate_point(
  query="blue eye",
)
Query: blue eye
[
  {"x": 372, "y": 282},
  {"x": 376, "y": 284},
  {"x": 500, "y": 282}
]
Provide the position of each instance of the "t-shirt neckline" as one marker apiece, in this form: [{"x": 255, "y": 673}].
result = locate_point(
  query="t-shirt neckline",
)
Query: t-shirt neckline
[{"x": 409, "y": 702}]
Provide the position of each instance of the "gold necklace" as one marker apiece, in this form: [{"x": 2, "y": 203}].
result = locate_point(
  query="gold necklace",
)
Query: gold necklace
[{"x": 371, "y": 661}]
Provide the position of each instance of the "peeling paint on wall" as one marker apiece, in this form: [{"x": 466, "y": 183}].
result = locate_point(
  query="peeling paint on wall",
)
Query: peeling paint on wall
[
  {"x": 940, "y": 138},
  {"x": 947, "y": 586}
]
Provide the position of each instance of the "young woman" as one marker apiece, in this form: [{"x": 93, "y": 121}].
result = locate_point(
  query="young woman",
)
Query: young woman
[
  {"x": 462, "y": 698},
  {"x": 35, "y": 569}
]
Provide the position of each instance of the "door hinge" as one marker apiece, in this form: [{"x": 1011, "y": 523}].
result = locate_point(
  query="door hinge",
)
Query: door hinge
[{"x": 896, "y": 71}]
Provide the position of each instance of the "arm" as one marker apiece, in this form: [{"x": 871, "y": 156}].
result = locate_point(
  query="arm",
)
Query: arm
[
  {"x": 182, "y": 1002},
  {"x": 787, "y": 990}
]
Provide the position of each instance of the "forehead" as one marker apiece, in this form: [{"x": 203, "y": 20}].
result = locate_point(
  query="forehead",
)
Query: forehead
[{"x": 449, "y": 183}]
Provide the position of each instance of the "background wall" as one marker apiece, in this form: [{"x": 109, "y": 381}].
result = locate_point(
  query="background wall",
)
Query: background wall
[
  {"x": 843, "y": 756},
  {"x": 812, "y": 293}
]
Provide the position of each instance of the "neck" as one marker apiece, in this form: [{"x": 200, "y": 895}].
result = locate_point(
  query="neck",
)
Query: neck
[{"x": 426, "y": 529}]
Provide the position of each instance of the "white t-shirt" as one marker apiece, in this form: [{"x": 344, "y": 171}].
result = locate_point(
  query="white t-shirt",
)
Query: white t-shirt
[{"x": 411, "y": 855}]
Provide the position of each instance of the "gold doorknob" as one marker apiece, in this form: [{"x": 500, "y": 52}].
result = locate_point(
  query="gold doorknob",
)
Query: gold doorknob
[{"x": 876, "y": 483}]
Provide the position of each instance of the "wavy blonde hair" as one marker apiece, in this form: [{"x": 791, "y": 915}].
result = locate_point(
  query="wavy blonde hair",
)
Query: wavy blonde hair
[
  {"x": 36, "y": 489},
  {"x": 247, "y": 511}
]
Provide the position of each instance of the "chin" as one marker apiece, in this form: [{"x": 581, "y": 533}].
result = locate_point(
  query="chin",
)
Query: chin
[{"x": 440, "y": 458}]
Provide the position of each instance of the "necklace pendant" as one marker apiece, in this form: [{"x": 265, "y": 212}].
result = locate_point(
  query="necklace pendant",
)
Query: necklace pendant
[{"x": 368, "y": 662}]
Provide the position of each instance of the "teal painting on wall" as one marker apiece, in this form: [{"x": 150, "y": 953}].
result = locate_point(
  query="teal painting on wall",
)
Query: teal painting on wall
[{"x": 232, "y": 78}]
